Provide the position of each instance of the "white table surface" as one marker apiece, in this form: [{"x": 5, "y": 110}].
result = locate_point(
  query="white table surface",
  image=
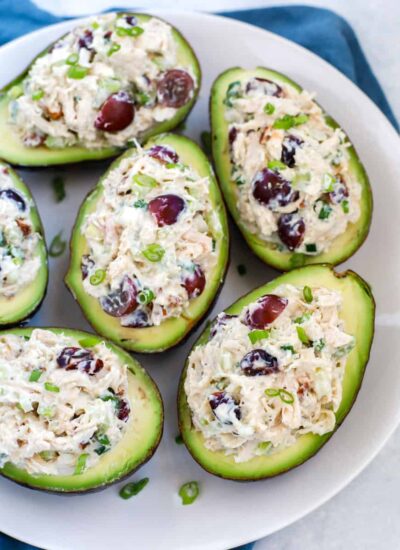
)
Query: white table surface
[{"x": 364, "y": 516}]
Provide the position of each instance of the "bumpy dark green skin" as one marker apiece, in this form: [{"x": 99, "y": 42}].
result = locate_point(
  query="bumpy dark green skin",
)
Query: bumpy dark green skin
[
  {"x": 173, "y": 331},
  {"x": 115, "y": 470},
  {"x": 358, "y": 314},
  {"x": 21, "y": 307},
  {"x": 14, "y": 152},
  {"x": 344, "y": 245}
]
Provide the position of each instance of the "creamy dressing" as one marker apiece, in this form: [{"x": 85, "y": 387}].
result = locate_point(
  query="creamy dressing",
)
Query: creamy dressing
[
  {"x": 127, "y": 242},
  {"x": 280, "y": 129},
  {"x": 52, "y": 415},
  {"x": 19, "y": 261},
  {"x": 65, "y": 89},
  {"x": 246, "y": 411}
]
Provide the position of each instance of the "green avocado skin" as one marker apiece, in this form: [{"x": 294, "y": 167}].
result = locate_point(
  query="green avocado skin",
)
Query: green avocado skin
[
  {"x": 174, "y": 330},
  {"x": 27, "y": 302},
  {"x": 135, "y": 448},
  {"x": 358, "y": 314},
  {"x": 345, "y": 245},
  {"x": 14, "y": 152}
]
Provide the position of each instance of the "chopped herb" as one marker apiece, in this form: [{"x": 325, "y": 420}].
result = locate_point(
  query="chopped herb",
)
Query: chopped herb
[
  {"x": 329, "y": 183},
  {"x": 145, "y": 296},
  {"x": 287, "y": 347},
  {"x": 319, "y": 345},
  {"x": 345, "y": 206},
  {"x": 325, "y": 211},
  {"x": 72, "y": 59},
  {"x": 110, "y": 397},
  {"x": 232, "y": 93},
  {"x": 144, "y": 181},
  {"x": 113, "y": 48},
  {"x": 51, "y": 387},
  {"x": 288, "y": 121},
  {"x": 301, "y": 333},
  {"x": 240, "y": 181},
  {"x": 154, "y": 252},
  {"x": 269, "y": 109},
  {"x": 206, "y": 142},
  {"x": 132, "y": 31},
  {"x": 311, "y": 247},
  {"x": 242, "y": 270},
  {"x": 89, "y": 341},
  {"x": 98, "y": 277},
  {"x": 37, "y": 95},
  {"x": 141, "y": 203},
  {"x": 81, "y": 464},
  {"x": 307, "y": 294},
  {"x": 178, "y": 440},
  {"x": 35, "y": 375},
  {"x": 58, "y": 188},
  {"x": 189, "y": 492},
  {"x": 132, "y": 489},
  {"x": 77, "y": 72},
  {"x": 57, "y": 246},
  {"x": 303, "y": 318},
  {"x": 256, "y": 335},
  {"x": 276, "y": 165},
  {"x": 101, "y": 450}
]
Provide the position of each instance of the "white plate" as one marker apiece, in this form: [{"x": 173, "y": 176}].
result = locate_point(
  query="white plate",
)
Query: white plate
[{"x": 227, "y": 513}]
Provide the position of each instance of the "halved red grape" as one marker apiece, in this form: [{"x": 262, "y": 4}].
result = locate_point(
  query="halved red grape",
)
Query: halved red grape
[
  {"x": 123, "y": 410},
  {"x": 219, "y": 398},
  {"x": 232, "y": 135},
  {"x": 163, "y": 154},
  {"x": 221, "y": 320},
  {"x": 339, "y": 193},
  {"x": 265, "y": 311},
  {"x": 116, "y": 113},
  {"x": 73, "y": 358},
  {"x": 258, "y": 362},
  {"x": 291, "y": 229},
  {"x": 194, "y": 281},
  {"x": 174, "y": 87},
  {"x": 85, "y": 41},
  {"x": 131, "y": 20},
  {"x": 138, "y": 319},
  {"x": 289, "y": 145},
  {"x": 122, "y": 301},
  {"x": 272, "y": 190},
  {"x": 266, "y": 86},
  {"x": 166, "y": 209},
  {"x": 12, "y": 195}
]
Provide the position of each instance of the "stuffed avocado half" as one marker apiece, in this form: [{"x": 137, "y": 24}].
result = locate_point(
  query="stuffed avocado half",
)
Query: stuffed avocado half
[
  {"x": 86, "y": 412},
  {"x": 272, "y": 378},
  {"x": 150, "y": 245},
  {"x": 291, "y": 178},
  {"x": 115, "y": 78},
  {"x": 23, "y": 255}
]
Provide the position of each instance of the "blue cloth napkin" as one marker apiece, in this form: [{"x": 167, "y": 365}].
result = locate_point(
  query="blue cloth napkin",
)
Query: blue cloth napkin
[{"x": 319, "y": 30}]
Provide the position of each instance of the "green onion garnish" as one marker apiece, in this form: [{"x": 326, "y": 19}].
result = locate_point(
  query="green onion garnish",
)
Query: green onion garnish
[
  {"x": 144, "y": 181},
  {"x": 37, "y": 95},
  {"x": 131, "y": 489},
  {"x": 72, "y": 59},
  {"x": 132, "y": 31},
  {"x": 269, "y": 109},
  {"x": 232, "y": 93},
  {"x": 307, "y": 293},
  {"x": 189, "y": 492},
  {"x": 329, "y": 183},
  {"x": 77, "y": 72},
  {"x": 51, "y": 387},
  {"x": 206, "y": 142},
  {"x": 113, "y": 48},
  {"x": 35, "y": 375},
  {"x": 311, "y": 247},
  {"x": 57, "y": 246},
  {"x": 319, "y": 345},
  {"x": 345, "y": 206},
  {"x": 140, "y": 203},
  {"x": 178, "y": 440},
  {"x": 272, "y": 392},
  {"x": 276, "y": 165},
  {"x": 48, "y": 455},
  {"x": 47, "y": 412},
  {"x": 242, "y": 270},
  {"x": 288, "y": 121},
  {"x": 141, "y": 98},
  {"x": 287, "y": 347},
  {"x": 81, "y": 464},
  {"x": 58, "y": 188},
  {"x": 264, "y": 445},
  {"x": 154, "y": 252},
  {"x": 301, "y": 333},
  {"x": 98, "y": 277},
  {"x": 145, "y": 296},
  {"x": 324, "y": 212},
  {"x": 256, "y": 335},
  {"x": 286, "y": 396},
  {"x": 303, "y": 318}
]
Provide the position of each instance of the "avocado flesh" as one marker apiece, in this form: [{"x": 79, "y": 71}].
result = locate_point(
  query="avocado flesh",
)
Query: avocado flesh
[
  {"x": 13, "y": 151},
  {"x": 358, "y": 315},
  {"x": 174, "y": 329},
  {"x": 344, "y": 246},
  {"x": 17, "y": 308},
  {"x": 137, "y": 446}
]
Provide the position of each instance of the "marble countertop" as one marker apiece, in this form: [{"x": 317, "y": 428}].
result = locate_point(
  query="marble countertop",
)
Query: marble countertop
[{"x": 364, "y": 516}]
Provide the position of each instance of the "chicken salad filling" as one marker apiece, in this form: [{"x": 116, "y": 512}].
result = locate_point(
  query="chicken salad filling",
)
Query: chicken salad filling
[
  {"x": 103, "y": 84},
  {"x": 270, "y": 374},
  {"x": 19, "y": 261},
  {"x": 62, "y": 405},
  {"x": 150, "y": 238},
  {"x": 292, "y": 171}
]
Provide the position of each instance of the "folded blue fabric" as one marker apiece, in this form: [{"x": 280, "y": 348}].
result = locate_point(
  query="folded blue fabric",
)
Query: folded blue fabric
[{"x": 319, "y": 30}]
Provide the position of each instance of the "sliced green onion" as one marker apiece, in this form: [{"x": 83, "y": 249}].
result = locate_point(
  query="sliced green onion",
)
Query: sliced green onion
[
  {"x": 329, "y": 183},
  {"x": 111, "y": 85},
  {"x": 113, "y": 48},
  {"x": 242, "y": 270},
  {"x": 300, "y": 119},
  {"x": 77, "y": 72},
  {"x": 287, "y": 347},
  {"x": 37, "y": 95},
  {"x": 307, "y": 293},
  {"x": 232, "y": 92},
  {"x": 178, "y": 440},
  {"x": 145, "y": 296},
  {"x": 57, "y": 246},
  {"x": 72, "y": 59},
  {"x": 101, "y": 450},
  {"x": 286, "y": 396},
  {"x": 141, "y": 98},
  {"x": 15, "y": 92},
  {"x": 18, "y": 260},
  {"x": 144, "y": 181},
  {"x": 303, "y": 318},
  {"x": 256, "y": 335},
  {"x": 325, "y": 211},
  {"x": 288, "y": 121},
  {"x": 98, "y": 277},
  {"x": 95, "y": 25},
  {"x": 89, "y": 341},
  {"x": 48, "y": 455},
  {"x": 103, "y": 439},
  {"x": 272, "y": 392},
  {"x": 81, "y": 464},
  {"x": 269, "y": 109},
  {"x": 35, "y": 375},
  {"x": 276, "y": 165},
  {"x": 311, "y": 247},
  {"x": 112, "y": 398},
  {"x": 132, "y": 489},
  {"x": 47, "y": 412},
  {"x": 206, "y": 142},
  {"x": 319, "y": 345},
  {"x": 240, "y": 181},
  {"x": 189, "y": 492},
  {"x": 51, "y": 387},
  {"x": 140, "y": 203},
  {"x": 300, "y": 179},
  {"x": 154, "y": 252},
  {"x": 301, "y": 333},
  {"x": 345, "y": 206},
  {"x": 264, "y": 445},
  {"x": 58, "y": 188},
  {"x": 132, "y": 31}
]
